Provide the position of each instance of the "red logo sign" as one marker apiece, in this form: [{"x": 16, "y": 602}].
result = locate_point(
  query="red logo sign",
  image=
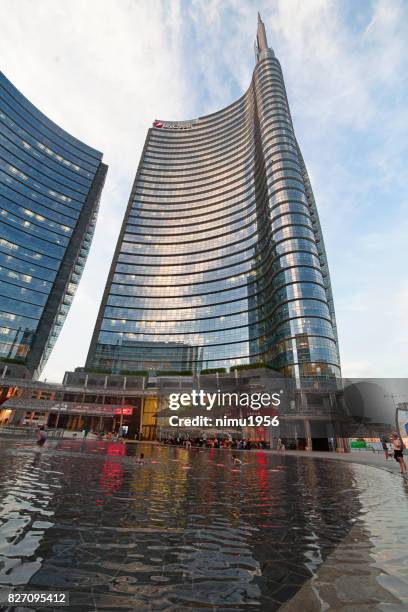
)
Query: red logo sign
[
  {"x": 124, "y": 411},
  {"x": 158, "y": 124}
]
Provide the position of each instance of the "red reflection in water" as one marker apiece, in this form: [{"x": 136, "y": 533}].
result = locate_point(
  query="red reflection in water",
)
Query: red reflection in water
[
  {"x": 115, "y": 448},
  {"x": 80, "y": 445},
  {"x": 112, "y": 472},
  {"x": 111, "y": 477},
  {"x": 262, "y": 477}
]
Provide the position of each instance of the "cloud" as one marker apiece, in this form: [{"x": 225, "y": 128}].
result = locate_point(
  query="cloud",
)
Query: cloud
[{"x": 104, "y": 70}]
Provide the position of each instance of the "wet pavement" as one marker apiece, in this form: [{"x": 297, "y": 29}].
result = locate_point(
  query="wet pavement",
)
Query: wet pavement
[
  {"x": 189, "y": 531},
  {"x": 363, "y": 457}
]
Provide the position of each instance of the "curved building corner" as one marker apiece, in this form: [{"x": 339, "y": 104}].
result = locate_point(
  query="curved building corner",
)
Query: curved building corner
[{"x": 50, "y": 186}]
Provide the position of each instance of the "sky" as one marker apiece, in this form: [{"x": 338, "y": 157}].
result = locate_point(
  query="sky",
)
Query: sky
[{"x": 104, "y": 70}]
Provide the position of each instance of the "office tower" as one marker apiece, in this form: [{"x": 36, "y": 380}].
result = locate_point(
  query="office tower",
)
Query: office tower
[
  {"x": 220, "y": 261},
  {"x": 50, "y": 185}
]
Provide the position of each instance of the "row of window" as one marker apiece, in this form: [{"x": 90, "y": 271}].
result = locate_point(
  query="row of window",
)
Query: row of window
[
  {"x": 227, "y": 300},
  {"x": 35, "y": 151},
  {"x": 37, "y": 203},
  {"x": 240, "y": 182},
  {"x": 167, "y": 318},
  {"x": 211, "y": 205},
  {"x": 285, "y": 352},
  {"x": 241, "y": 216},
  {"x": 39, "y": 126},
  {"x": 231, "y": 148},
  {"x": 39, "y": 167},
  {"x": 20, "y": 237},
  {"x": 151, "y": 286},
  {"x": 33, "y": 229},
  {"x": 223, "y": 257},
  {"x": 221, "y": 247},
  {"x": 24, "y": 279},
  {"x": 250, "y": 333},
  {"x": 244, "y": 171},
  {"x": 44, "y": 121},
  {"x": 182, "y": 170},
  {"x": 204, "y": 272},
  {"x": 211, "y": 238},
  {"x": 276, "y": 179},
  {"x": 240, "y": 325},
  {"x": 275, "y": 113},
  {"x": 241, "y": 132},
  {"x": 23, "y": 184}
]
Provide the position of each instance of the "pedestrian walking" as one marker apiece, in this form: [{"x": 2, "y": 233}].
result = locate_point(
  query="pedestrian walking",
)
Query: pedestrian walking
[
  {"x": 41, "y": 435},
  {"x": 281, "y": 446},
  {"x": 385, "y": 448}
]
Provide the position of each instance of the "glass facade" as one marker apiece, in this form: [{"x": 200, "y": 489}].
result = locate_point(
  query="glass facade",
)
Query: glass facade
[
  {"x": 221, "y": 261},
  {"x": 50, "y": 184}
]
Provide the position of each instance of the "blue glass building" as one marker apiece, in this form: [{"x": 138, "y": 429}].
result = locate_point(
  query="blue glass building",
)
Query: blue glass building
[
  {"x": 220, "y": 261},
  {"x": 50, "y": 185}
]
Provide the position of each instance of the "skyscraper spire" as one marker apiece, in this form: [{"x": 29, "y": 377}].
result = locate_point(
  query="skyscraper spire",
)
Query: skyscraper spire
[
  {"x": 261, "y": 44},
  {"x": 261, "y": 39}
]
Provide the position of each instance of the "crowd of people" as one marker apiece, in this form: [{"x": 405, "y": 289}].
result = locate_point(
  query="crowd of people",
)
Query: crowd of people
[
  {"x": 214, "y": 442},
  {"x": 392, "y": 448}
]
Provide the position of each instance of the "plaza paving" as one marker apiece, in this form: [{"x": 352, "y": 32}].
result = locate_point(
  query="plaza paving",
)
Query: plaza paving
[
  {"x": 187, "y": 530},
  {"x": 375, "y": 459}
]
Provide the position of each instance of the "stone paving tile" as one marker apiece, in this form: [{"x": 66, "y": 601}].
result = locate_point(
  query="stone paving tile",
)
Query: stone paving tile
[{"x": 348, "y": 582}]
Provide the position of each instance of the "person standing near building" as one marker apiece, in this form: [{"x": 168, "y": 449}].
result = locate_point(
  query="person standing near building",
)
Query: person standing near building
[{"x": 398, "y": 452}]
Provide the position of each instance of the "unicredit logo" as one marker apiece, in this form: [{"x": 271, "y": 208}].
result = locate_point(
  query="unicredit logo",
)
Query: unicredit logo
[{"x": 181, "y": 125}]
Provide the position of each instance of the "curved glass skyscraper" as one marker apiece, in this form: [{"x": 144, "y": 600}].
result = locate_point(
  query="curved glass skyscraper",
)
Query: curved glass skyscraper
[
  {"x": 50, "y": 184},
  {"x": 220, "y": 261}
]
